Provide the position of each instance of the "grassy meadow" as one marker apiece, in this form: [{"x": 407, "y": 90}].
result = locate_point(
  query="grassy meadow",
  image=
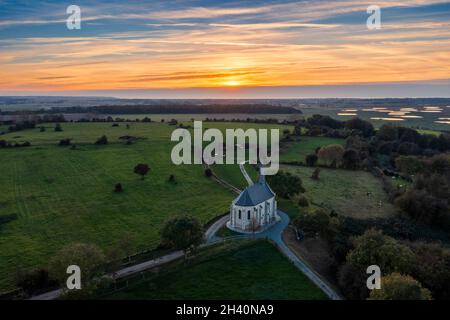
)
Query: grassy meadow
[
  {"x": 345, "y": 191},
  {"x": 298, "y": 150},
  {"x": 63, "y": 195},
  {"x": 236, "y": 270}
]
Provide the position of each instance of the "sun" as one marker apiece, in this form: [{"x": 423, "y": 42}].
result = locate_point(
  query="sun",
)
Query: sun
[{"x": 232, "y": 83}]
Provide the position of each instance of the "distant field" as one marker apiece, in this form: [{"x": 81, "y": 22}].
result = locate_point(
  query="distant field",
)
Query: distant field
[
  {"x": 62, "y": 195},
  {"x": 255, "y": 270},
  {"x": 298, "y": 150},
  {"x": 346, "y": 192}
]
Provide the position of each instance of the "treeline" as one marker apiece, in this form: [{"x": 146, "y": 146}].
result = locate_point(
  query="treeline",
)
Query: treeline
[
  {"x": 170, "y": 109},
  {"x": 366, "y": 147}
]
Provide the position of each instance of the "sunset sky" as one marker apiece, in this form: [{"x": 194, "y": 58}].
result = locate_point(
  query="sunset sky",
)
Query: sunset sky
[{"x": 200, "y": 49}]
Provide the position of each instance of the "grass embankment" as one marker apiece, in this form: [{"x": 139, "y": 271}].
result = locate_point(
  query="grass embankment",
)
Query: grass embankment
[{"x": 236, "y": 270}]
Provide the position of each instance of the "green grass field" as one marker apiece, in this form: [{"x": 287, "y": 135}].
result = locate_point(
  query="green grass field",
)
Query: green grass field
[
  {"x": 298, "y": 150},
  {"x": 248, "y": 270},
  {"x": 345, "y": 192},
  {"x": 62, "y": 196}
]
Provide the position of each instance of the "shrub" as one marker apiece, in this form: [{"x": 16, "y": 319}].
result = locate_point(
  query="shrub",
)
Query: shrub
[
  {"x": 400, "y": 287},
  {"x": 311, "y": 160},
  {"x": 313, "y": 221},
  {"x": 58, "y": 128},
  {"x": 34, "y": 281},
  {"x": 303, "y": 201},
  {"x": 351, "y": 159},
  {"x": 286, "y": 184},
  {"x": 118, "y": 188},
  {"x": 142, "y": 169},
  {"x": 373, "y": 247},
  {"x": 331, "y": 155},
  {"x": 64, "y": 142},
  {"x": 208, "y": 172},
  {"x": 102, "y": 140},
  {"x": 315, "y": 175},
  {"x": 182, "y": 233}
]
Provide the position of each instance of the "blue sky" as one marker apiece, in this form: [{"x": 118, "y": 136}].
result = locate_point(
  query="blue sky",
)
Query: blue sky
[{"x": 225, "y": 49}]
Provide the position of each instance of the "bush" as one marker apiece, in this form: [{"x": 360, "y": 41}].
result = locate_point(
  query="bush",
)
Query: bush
[
  {"x": 142, "y": 169},
  {"x": 118, "y": 188},
  {"x": 34, "y": 281},
  {"x": 102, "y": 140},
  {"x": 208, "y": 172},
  {"x": 58, "y": 128},
  {"x": 303, "y": 201},
  {"x": 313, "y": 221},
  {"x": 285, "y": 184},
  {"x": 331, "y": 155},
  {"x": 375, "y": 248},
  {"x": 182, "y": 233},
  {"x": 311, "y": 160},
  {"x": 431, "y": 268},
  {"x": 64, "y": 142},
  {"x": 423, "y": 207},
  {"x": 352, "y": 282},
  {"x": 400, "y": 287},
  {"x": 351, "y": 159},
  {"x": 315, "y": 175}
]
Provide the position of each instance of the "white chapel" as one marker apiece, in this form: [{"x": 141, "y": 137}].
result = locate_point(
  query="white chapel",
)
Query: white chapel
[{"x": 255, "y": 209}]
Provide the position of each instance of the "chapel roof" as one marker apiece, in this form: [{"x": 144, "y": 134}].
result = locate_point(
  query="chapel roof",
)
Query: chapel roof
[{"x": 255, "y": 194}]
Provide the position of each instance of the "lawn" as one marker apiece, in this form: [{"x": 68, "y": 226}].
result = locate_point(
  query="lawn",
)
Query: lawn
[
  {"x": 237, "y": 270},
  {"x": 298, "y": 150},
  {"x": 345, "y": 192},
  {"x": 62, "y": 195}
]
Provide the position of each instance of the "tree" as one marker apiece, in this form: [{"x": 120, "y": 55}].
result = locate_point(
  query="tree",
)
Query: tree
[
  {"x": 88, "y": 257},
  {"x": 387, "y": 133},
  {"x": 297, "y": 130},
  {"x": 351, "y": 159},
  {"x": 34, "y": 280},
  {"x": 142, "y": 170},
  {"x": 331, "y": 154},
  {"x": 409, "y": 165},
  {"x": 64, "y": 142},
  {"x": 208, "y": 172},
  {"x": 313, "y": 221},
  {"x": 311, "y": 160},
  {"x": 365, "y": 127},
  {"x": 303, "y": 201},
  {"x": 182, "y": 233},
  {"x": 423, "y": 207},
  {"x": 286, "y": 184},
  {"x": 431, "y": 268},
  {"x": 118, "y": 188},
  {"x": 352, "y": 282},
  {"x": 58, "y": 127},
  {"x": 375, "y": 248},
  {"x": 315, "y": 175},
  {"x": 400, "y": 287},
  {"x": 102, "y": 140}
]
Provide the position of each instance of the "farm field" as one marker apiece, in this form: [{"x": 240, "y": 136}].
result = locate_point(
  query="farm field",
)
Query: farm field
[
  {"x": 248, "y": 270},
  {"x": 298, "y": 150},
  {"x": 345, "y": 192},
  {"x": 62, "y": 195}
]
